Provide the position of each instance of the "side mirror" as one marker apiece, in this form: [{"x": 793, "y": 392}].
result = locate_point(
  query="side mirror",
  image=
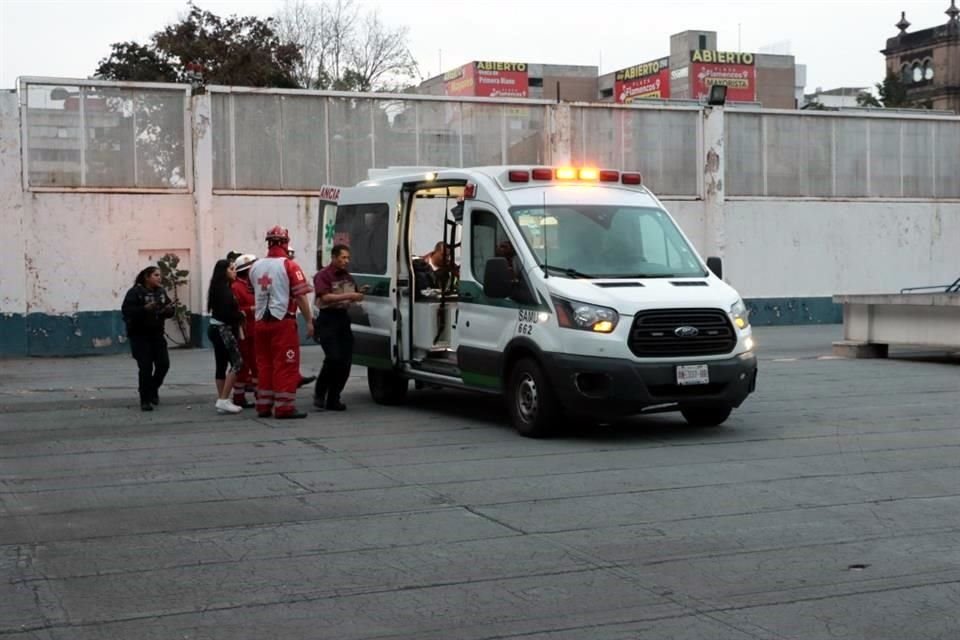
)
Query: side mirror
[
  {"x": 496, "y": 278},
  {"x": 715, "y": 264}
]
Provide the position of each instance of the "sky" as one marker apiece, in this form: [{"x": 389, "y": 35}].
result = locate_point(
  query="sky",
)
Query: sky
[{"x": 838, "y": 40}]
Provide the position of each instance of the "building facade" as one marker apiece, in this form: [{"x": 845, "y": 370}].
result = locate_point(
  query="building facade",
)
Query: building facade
[
  {"x": 695, "y": 64},
  {"x": 928, "y": 61},
  {"x": 497, "y": 79}
]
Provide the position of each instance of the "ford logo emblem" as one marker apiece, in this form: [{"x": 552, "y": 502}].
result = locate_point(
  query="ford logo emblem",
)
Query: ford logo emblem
[{"x": 686, "y": 332}]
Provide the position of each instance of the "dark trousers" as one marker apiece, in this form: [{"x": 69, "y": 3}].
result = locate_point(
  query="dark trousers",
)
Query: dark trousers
[
  {"x": 153, "y": 362},
  {"x": 331, "y": 330}
]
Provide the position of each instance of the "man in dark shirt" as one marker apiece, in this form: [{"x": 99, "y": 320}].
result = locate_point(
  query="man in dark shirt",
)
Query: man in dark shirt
[
  {"x": 335, "y": 292},
  {"x": 435, "y": 270}
]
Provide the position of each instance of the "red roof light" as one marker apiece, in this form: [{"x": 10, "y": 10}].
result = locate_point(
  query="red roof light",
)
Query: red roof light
[
  {"x": 631, "y": 178},
  {"x": 542, "y": 174},
  {"x": 609, "y": 176},
  {"x": 519, "y": 176}
]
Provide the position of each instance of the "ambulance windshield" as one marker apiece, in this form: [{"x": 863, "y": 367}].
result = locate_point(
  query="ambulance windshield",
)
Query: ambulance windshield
[{"x": 605, "y": 241}]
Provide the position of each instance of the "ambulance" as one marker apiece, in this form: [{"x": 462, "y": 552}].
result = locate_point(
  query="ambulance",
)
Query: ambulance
[{"x": 570, "y": 292}]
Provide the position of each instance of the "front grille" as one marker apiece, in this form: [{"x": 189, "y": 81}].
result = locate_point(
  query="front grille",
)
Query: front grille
[{"x": 653, "y": 333}]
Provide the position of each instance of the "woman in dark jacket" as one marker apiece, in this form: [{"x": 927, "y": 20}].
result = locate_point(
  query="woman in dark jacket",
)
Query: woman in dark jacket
[
  {"x": 145, "y": 309},
  {"x": 225, "y": 322}
]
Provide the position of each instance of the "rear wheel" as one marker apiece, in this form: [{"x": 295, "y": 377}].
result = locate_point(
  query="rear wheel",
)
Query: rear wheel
[
  {"x": 705, "y": 416},
  {"x": 531, "y": 402},
  {"x": 387, "y": 387}
]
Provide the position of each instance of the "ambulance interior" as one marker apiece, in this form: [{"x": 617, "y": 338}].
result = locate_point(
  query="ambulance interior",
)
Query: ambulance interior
[{"x": 435, "y": 216}]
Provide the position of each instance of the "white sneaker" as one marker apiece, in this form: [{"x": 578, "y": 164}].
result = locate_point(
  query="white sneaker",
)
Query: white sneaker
[{"x": 226, "y": 406}]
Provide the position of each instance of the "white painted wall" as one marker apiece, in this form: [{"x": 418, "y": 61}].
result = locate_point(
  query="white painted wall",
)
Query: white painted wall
[
  {"x": 13, "y": 294},
  {"x": 240, "y": 223},
  {"x": 83, "y": 250},
  {"x": 783, "y": 248}
]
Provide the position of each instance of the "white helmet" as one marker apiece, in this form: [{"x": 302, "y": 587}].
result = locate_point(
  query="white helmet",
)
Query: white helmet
[{"x": 245, "y": 261}]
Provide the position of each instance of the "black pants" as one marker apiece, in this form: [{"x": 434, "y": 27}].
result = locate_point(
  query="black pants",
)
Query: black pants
[
  {"x": 331, "y": 330},
  {"x": 226, "y": 351},
  {"x": 153, "y": 361}
]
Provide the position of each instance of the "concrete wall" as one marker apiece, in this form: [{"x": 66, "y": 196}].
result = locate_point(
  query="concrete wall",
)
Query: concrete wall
[
  {"x": 13, "y": 279},
  {"x": 70, "y": 256}
]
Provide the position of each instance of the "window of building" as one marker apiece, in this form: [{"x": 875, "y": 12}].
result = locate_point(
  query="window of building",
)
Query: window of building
[
  {"x": 905, "y": 75},
  {"x": 363, "y": 228},
  {"x": 703, "y": 42},
  {"x": 606, "y": 93},
  {"x": 917, "y": 73},
  {"x": 928, "y": 70},
  {"x": 535, "y": 82},
  {"x": 488, "y": 239}
]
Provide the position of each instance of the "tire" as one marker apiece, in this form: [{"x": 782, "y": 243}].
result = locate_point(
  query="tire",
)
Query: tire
[
  {"x": 705, "y": 416},
  {"x": 531, "y": 401},
  {"x": 387, "y": 387}
]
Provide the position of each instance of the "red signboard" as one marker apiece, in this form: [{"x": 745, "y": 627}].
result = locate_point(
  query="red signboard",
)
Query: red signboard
[
  {"x": 459, "y": 82},
  {"x": 647, "y": 80},
  {"x": 733, "y": 69},
  {"x": 501, "y": 80}
]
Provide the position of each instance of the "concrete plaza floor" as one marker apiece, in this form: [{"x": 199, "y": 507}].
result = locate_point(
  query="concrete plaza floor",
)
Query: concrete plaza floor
[{"x": 828, "y": 506}]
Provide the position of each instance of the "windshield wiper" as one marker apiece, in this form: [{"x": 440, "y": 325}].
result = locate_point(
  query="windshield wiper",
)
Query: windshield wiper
[{"x": 567, "y": 271}]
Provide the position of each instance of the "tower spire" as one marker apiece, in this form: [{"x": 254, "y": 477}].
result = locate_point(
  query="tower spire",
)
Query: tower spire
[
  {"x": 953, "y": 11},
  {"x": 903, "y": 25}
]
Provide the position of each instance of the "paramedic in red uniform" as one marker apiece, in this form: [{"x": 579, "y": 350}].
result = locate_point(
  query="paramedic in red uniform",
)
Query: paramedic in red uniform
[
  {"x": 279, "y": 288},
  {"x": 243, "y": 292}
]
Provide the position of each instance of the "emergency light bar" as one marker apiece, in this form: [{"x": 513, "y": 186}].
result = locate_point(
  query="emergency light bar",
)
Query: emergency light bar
[{"x": 568, "y": 174}]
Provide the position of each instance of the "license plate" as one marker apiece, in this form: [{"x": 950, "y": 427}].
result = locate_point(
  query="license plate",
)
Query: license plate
[{"x": 693, "y": 374}]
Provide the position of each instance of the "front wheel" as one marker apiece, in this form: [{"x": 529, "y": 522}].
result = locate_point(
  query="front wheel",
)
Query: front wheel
[
  {"x": 387, "y": 387},
  {"x": 705, "y": 416},
  {"x": 530, "y": 399}
]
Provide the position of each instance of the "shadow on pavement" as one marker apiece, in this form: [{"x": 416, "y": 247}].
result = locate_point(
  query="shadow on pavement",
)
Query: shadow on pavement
[{"x": 491, "y": 411}]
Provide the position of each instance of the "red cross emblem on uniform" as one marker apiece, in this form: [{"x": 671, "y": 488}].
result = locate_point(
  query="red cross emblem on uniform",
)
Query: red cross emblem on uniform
[{"x": 265, "y": 281}]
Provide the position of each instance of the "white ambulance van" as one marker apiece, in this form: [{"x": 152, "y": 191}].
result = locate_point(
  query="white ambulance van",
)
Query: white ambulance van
[{"x": 571, "y": 292}]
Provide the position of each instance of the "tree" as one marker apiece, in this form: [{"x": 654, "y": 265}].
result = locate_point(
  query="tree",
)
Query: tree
[
  {"x": 342, "y": 50},
  {"x": 892, "y": 94},
  {"x": 232, "y": 51},
  {"x": 132, "y": 61}
]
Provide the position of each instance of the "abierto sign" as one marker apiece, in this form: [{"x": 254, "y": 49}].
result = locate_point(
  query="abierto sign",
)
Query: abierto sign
[
  {"x": 501, "y": 79},
  {"x": 488, "y": 80},
  {"x": 733, "y": 69},
  {"x": 647, "y": 80}
]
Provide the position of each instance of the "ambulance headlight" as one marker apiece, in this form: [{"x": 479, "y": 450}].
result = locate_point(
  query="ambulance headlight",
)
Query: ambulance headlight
[
  {"x": 586, "y": 317},
  {"x": 740, "y": 315}
]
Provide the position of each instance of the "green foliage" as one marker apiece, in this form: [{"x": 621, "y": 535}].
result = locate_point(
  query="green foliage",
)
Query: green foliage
[
  {"x": 893, "y": 94},
  {"x": 172, "y": 278},
  {"x": 204, "y": 48},
  {"x": 133, "y": 61}
]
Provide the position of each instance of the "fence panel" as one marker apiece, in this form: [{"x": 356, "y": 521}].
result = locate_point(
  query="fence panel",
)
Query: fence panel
[
  {"x": 946, "y": 159},
  {"x": 483, "y": 134},
  {"x": 438, "y": 124},
  {"x": 94, "y": 134},
  {"x": 304, "y": 142},
  {"x": 786, "y": 155},
  {"x": 257, "y": 137},
  {"x": 525, "y": 133},
  {"x": 105, "y": 136},
  {"x": 661, "y": 144},
  {"x": 351, "y": 139}
]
